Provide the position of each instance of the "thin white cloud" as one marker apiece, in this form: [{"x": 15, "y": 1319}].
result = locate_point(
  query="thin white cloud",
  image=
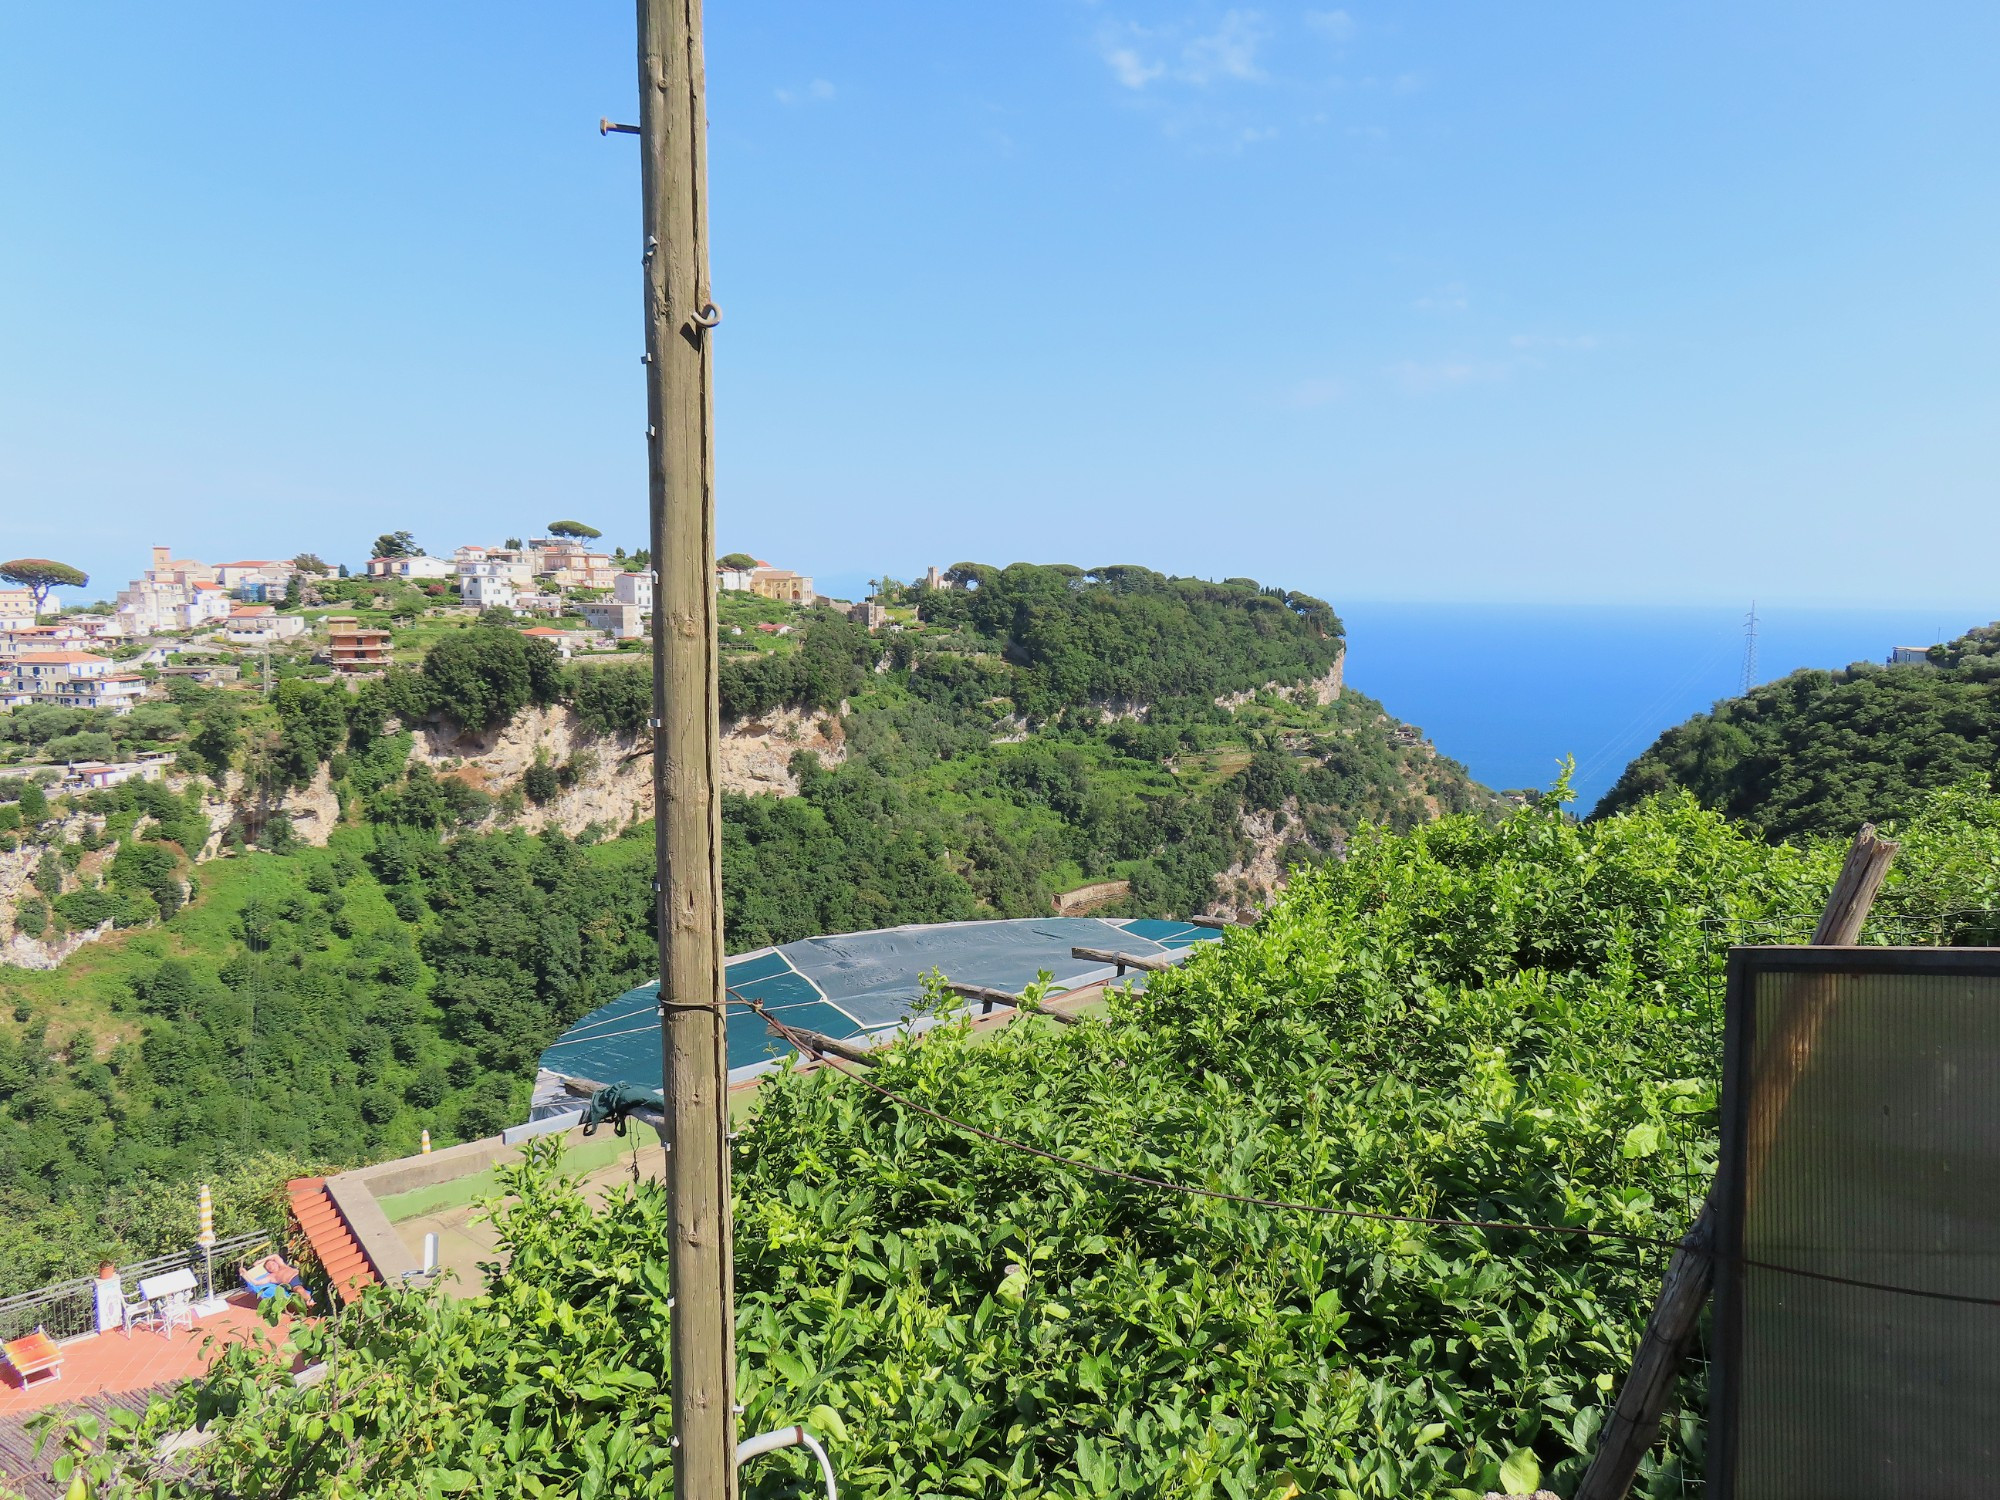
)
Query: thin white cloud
[
  {"x": 819, "y": 91},
  {"x": 1132, "y": 70},
  {"x": 1230, "y": 51},
  {"x": 1334, "y": 25},
  {"x": 1139, "y": 56},
  {"x": 1450, "y": 298}
]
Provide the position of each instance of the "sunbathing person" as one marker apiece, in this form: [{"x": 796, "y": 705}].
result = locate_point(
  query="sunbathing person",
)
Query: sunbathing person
[{"x": 275, "y": 1273}]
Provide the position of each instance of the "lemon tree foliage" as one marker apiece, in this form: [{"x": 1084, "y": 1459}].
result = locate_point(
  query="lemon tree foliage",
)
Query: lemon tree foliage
[{"x": 1515, "y": 1022}]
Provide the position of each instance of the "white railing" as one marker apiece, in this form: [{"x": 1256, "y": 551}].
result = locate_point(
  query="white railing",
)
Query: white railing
[{"x": 69, "y": 1308}]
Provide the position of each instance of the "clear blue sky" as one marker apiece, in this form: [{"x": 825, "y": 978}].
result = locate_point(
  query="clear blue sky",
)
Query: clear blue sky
[{"x": 1631, "y": 303}]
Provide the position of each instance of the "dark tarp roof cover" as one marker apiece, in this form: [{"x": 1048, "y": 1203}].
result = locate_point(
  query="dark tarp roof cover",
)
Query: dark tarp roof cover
[{"x": 851, "y": 985}]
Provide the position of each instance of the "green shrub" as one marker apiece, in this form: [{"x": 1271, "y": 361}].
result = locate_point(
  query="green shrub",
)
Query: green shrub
[
  {"x": 540, "y": 782},
  {"x": 85, "y": 909},
  {"x": 483, "y": 676}
]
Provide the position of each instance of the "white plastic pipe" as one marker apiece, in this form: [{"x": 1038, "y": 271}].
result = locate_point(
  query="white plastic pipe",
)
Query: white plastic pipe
[{"x": 787, "y": 1437}]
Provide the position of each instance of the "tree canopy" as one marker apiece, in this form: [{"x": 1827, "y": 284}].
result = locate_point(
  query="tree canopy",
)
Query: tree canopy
[
  {"x": 42, "y": 576},
  {"x": 1822, "y": 752},
  {"x": 396, "y": 544},
  {"x": 736, "y": 560},
  {"x": 575, "y": 529}
]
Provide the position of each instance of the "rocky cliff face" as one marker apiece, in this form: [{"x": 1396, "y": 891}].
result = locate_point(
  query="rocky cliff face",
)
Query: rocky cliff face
[
  {"x": 24, "y": 952},
  {"x": 612, "y": 775},
  {"x": 611, "y": 786},
  {"x": 1320, "y": 690},
  {"x": 1247, "y": 886}
]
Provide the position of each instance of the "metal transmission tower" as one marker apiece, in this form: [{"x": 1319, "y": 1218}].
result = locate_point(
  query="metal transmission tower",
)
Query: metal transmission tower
[{"x": 1750, "y": 648}]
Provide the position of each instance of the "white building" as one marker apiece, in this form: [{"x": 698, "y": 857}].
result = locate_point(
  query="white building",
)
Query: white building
[
  {"x": 176, "y": 593},
  {"x": 621, "y": 621},
  {"x": 17, "y": 609},
  {"x": 732, "y": 580},
  {"x": 260, "y": 625},
  {"x": 634, "y": 588},
  {"x": 411, "y": 569},
  {"x": 492, "y": 577},
  {"x": 73, "y": 679},
  {"x": 487, "y": 591},
  {"x": 98, "y": 774}
]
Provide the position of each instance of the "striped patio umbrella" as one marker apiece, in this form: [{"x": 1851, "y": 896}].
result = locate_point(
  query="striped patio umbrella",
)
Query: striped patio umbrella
[
  {"x": 206, "y": 1239},
  {"x": 427, "y": 1143}
]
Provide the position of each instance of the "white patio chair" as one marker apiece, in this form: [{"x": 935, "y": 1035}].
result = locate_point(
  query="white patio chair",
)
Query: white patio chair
[{"x": 171, "y": 1295}]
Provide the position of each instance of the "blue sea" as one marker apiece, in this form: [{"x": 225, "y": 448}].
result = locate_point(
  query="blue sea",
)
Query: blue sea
[{"x": 1511, "y": 689}]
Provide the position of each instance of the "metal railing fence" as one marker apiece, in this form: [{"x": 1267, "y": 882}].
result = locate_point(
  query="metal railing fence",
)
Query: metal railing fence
[{"x": 69, "y": 1308}]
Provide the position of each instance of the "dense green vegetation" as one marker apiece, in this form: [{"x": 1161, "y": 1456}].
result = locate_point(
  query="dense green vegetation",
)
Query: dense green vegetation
[
  {"x": 323, "y": 1006},
  {"x": 1128, "y": 633},
  {"x": 326, "y": 1005},
  {"x": 1516, "y": 1022},
  {"x": 1823, "y": 752}
]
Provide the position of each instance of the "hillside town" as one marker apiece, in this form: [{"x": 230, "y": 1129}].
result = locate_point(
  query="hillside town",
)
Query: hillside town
[{"x": 215, "y": 622}]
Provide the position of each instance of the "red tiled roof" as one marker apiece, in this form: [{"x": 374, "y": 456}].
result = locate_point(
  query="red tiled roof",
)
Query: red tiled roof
[
  {"x": 58, "y": 658},
  {"x": 542, "y": 630},
  {"x": 347, "y": 1264}
]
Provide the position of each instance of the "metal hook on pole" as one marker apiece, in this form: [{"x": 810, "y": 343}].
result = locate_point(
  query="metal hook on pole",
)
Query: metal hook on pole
[
  {"x": 707, "y": 316},
  {"x": 606, "y": 127}
]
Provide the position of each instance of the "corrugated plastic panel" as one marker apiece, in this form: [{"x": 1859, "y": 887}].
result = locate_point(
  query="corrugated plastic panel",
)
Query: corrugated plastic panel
[{"x": 1863, "y": 1141}]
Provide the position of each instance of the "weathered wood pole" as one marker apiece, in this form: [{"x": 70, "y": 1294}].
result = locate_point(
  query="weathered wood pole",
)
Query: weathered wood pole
[
  {"x": 1642, "y": 1401},
  {"x": 1144, "y": 963},
  {"x": 680, "y": 408}
]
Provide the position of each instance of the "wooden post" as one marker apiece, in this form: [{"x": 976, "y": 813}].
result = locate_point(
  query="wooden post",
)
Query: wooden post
[
  {"x": 686, "y": 737},
  {"x": 1144, "y": 963},
  {"x": 1854, "y": 892},
  {"x": 1635, "y": 1420}
]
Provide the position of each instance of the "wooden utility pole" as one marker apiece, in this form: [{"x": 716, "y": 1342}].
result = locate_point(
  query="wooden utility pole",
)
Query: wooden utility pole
[
  {"x": 680, "y": 408},
  {"x": 1642, "y": 1401}
]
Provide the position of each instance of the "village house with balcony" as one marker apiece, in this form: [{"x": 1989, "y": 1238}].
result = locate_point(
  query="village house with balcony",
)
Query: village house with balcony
[
  {"x": 73, "y": 679},
  {"x": 354, "y": 648},
  {"x": 260, "y": 625},
  {"x": 411, "y": 569}
]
